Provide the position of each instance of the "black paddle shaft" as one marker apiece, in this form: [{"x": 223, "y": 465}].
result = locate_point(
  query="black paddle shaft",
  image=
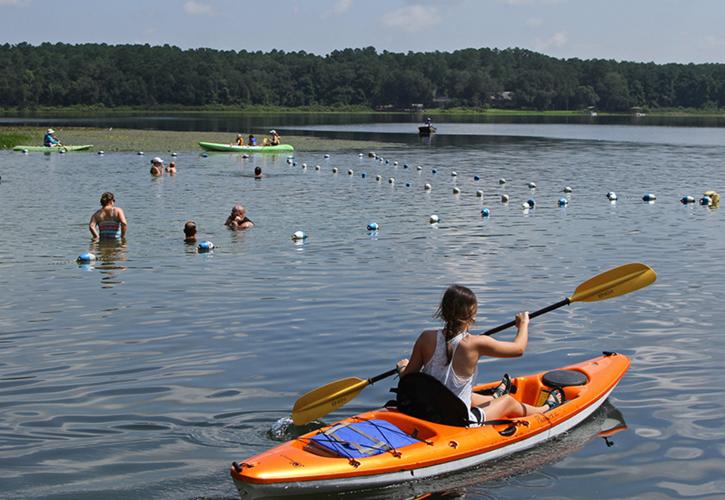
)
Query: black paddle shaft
[
  {"x": 376, "y": 378},
  {"x": 534, "y": 314}
]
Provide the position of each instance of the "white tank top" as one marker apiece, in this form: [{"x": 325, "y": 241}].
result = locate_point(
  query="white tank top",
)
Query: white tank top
[{"x": 439, "y": 367}]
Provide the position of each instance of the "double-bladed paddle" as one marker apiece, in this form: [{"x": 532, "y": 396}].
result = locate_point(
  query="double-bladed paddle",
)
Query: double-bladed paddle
[{"x": 607, "y": 285}]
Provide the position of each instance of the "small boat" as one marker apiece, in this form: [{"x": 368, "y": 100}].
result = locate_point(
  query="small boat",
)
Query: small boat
[
  {"x": 426, "y": 130},
  {"x": 228, "y": 148},
  {"x": 53, "y": 149},
  {"x": 387, "y": 447}
]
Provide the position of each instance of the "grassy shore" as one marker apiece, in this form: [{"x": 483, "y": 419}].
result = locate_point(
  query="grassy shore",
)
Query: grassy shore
[{"x": 118, "y": 139}]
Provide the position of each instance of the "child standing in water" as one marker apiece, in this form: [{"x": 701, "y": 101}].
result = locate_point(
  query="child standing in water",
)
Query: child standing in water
[
  {"x": 451, "y": 356},
  {"x": 109, "y": 222}
]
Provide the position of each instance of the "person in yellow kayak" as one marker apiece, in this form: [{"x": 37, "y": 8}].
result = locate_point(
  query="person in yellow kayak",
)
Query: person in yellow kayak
[
  {"x": 451, "y": 356},
  {"x": 50, "y": 140}
]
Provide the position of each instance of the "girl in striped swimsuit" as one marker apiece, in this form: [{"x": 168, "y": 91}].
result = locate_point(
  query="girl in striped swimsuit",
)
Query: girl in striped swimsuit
[{"x": 109, "y": 222}]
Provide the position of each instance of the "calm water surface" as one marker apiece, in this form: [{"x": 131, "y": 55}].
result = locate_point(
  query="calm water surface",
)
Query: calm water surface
[{"x": 145, "y": 375}]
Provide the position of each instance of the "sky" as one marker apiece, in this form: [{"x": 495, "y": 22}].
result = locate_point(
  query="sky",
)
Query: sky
[{"x": 659, "y": 31}]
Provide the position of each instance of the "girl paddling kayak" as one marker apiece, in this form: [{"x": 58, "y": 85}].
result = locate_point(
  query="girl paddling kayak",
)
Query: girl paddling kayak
[{"x": 451, "y": 356}]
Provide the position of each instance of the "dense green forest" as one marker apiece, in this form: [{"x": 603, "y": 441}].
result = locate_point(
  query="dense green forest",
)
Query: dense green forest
[{"x": 142, "y": 75}]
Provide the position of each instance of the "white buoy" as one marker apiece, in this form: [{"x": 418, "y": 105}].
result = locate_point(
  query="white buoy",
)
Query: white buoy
[
  {"x": 373, "y": 226},
  {"x": 25, "y": 151},
  {"x": 567, "y": 189},
  {"x": 532, "y": 185},
  {"x": 299, "y": 235},
  {"x": 612, "y": 196},
  {"x": 502, "y": 181},
  {"x": 391, "y": 180},
  {"x": 174, "y": 155},
  {"x": 304, "y": 165},
  {"x": 359, "y": 155},
  {"x": 525, "y": 206},
  {"x": 140, "y": 153},
  {"x": 687, "y": 199},
  {"x": 427, "y": 187},
  {"x": 395, "y": 163},
  {"x": 454, "y": 174},
  {"x": 334, "y": 170},
  {"x": 317, "y": 167},
  {"x": 349, "y": 171},
  {"x": 649, "y": 197},
  {"x": 505, "y": 198},
  {"x": 419, "y": 168},
  {"x": 378, "y": 178},
  {"x": 327, "y": 156},
  {"x": 456, "y": 190},
  {"x": 563, "y": 202},
  {"x": 479, "y": 193},
  {"x": 433, "y": 219}
]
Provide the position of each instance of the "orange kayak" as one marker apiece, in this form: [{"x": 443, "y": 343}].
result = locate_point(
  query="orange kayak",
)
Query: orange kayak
[{"x": 392, "y": 447}]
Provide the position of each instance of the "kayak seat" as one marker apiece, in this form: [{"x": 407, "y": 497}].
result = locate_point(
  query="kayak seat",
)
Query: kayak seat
[
  {"x": 425, "y": 397},
  {"x": 564, "y": 378},
  {"x": 362, "y": 439}
]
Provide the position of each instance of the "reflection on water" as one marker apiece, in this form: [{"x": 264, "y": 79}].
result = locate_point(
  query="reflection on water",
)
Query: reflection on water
[
  {"x": 109, "y": 254},
  {"x": 151, "y": 389}
]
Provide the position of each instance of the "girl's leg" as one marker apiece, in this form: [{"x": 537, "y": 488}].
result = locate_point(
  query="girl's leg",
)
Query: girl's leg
[{"x": 507, "y": 407}]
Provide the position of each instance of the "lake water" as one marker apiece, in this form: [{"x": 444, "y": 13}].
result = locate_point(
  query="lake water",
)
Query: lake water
[{"x": 146, "y": 374}]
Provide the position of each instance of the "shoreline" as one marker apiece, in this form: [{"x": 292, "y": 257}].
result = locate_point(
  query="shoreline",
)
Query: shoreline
[
  {"x": 354, "y": 110},
  {"x": 126, "y": 140}
]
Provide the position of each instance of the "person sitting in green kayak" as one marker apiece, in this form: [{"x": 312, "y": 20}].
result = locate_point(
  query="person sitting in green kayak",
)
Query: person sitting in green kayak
[
  {"x": 451, "y": 356},
  {"x": 238, "y": 219},
  {"x": 50, "y": 140},
  {"x": 251, "y": 140},
  {"x": 275, "y": 140},
  {"x": 239, "y": 141}
]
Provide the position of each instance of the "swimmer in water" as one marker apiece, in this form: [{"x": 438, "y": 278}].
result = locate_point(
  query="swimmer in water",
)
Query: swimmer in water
[
  {"x": 238, "y": 219},
  {"x": 257, "y": 172},
  {"x": 109, "y": 222},
  {"x": 190, "y": 232}
]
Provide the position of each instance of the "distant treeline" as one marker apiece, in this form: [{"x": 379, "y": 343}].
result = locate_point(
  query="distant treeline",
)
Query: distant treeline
[{"x": 142, "y": 75}]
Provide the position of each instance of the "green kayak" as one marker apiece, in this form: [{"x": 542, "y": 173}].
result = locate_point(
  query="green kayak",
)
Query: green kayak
[
  {"x": 228, "y": 148},
  {"x": 45, "y": 149}
]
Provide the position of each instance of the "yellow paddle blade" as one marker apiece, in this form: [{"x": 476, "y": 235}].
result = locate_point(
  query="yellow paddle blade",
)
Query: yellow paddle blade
[
  {"x": 615, "y": 282},
  {"x": 326, "y": 399}
]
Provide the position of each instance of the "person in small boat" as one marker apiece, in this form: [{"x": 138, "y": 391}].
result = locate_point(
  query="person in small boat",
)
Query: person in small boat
[
  {"x": 451, "y": 355},
  {"x": 239, "y": 141},
  {"x": 238, "y": 219},
  {"x": 251, "y": 140},
  {"x": 109, "y": 222},
  {"x": 50, "y": 139},
  {"x": 190, "y": 232},
  {"x": 428, "y": 122},
  {"x": 157, "y": 167},
  {"x": 275, "y": 140}
]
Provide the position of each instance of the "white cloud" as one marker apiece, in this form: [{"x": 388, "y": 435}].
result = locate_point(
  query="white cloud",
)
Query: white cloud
[
  {"x": 556, "y": 40},
  {"x": 533, "y": 22},
  {"x": 340, "y": 7},
  {"x": 194, "y": 8},
  {"x": 411, "y": 18}
]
